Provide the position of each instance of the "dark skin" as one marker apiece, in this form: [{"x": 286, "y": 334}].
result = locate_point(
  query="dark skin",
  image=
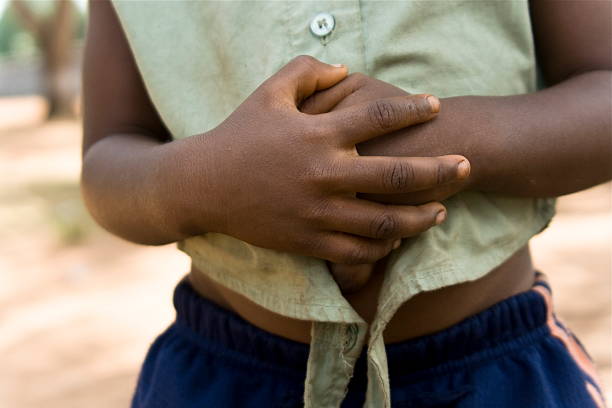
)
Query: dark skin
[
  {"x": 546, "y": 144},
  {"x": 265, "y": 153},
  {"x": 148, "y": 190}
]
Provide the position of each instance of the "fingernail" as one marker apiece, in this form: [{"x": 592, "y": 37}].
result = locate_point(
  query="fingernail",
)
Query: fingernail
[
  {"x": 397, "y": 244},
  {"x": 440, "y": 217},
  {"x": 463, "y": 169},
  {"x": 338, "y": 65},
  {"x": 434, "y": 103}
]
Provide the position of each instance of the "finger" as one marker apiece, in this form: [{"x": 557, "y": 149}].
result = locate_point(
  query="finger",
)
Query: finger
[
  {"x": 301, "y": 77},
  {"x": 394, "y": 175},
  {"x": 351, "y": 250},
  {"x": 384, "y": 222},
  {"x": 359, "y": 123},
  {"x": 355, "y": 85},
  {"x": 351, "y": 278},
  {"x": 440, "y": 193},
  {"x": 325, "y": 100}
]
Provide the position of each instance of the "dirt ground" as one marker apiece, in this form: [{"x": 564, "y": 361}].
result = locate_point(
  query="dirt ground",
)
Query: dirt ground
[{"x": 78, "y": 307}]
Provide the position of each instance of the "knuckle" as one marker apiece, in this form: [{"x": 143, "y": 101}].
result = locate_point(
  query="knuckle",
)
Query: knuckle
[
  {"x": 359, "y": 254},
  {"x": 319, "y": 212},
  {"x": 444, "y": 172},
  {"x": 441, "y": 173},
  {"x": 267, "y": 96},
  {"x": 354, "y": 255},
  {"x": 268, "y": 89},
  {"x": 421, "y": 108},
  {"x": 317, "y": 131},
  {"x": 384, "y": 114},
  {"x": 310, "y": 131},
  {"x": 384, "y": 227},
  {"x": 323, "y": 174},
  {"x": 315, "y": 173},
  {"x": 417, "y": 109},
  {"x": 399, "y": 177},
  {"x": 357, "y": 78},
  {"x": 411, "y": 110},
  {"x": 312, "y": 244},
  {"x": 305, "y": 61}
]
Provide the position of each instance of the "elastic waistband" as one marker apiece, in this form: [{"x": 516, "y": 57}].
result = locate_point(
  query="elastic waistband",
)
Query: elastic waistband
[
  {"x": 504, "y": 322},
  {"x": 223, "y": 329},
  {"x": 521, "y": 317}
]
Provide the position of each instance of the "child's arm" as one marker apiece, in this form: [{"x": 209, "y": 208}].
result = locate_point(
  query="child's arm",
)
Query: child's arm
[
  {"x": 269, "y": 174},
  {"x": 548, "y": 143}
]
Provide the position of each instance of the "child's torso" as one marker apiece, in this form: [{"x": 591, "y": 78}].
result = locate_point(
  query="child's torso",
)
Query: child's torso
[
  {"x": 200, "y": 59},
  {"x": 426, "y": 313}
]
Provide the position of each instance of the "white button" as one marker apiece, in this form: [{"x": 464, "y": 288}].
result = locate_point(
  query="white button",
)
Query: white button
[{"x": 322, "y": 24}]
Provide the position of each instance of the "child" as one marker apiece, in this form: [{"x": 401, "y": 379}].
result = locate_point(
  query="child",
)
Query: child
[{"x": 197, "y": 130}]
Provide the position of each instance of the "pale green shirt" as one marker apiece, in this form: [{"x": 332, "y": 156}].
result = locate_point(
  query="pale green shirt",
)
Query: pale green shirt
[{"x": 201, "y": 59}]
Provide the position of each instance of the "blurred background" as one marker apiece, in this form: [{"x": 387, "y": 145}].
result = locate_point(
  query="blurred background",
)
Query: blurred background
[{"x": 79, "y": 307}]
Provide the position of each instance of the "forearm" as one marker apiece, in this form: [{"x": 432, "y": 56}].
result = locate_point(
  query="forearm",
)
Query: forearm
[
  {"x": 553, "y": 142},
  {"x": 134, "y": 186},
  {"x": 548, "y": 143}
]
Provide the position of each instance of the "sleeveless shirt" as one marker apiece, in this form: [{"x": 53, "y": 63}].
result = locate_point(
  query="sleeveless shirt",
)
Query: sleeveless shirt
[{"x": 200, "y": 59}]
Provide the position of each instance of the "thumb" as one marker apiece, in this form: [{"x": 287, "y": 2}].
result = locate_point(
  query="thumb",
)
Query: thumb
[{"x": 303, "y": 76}]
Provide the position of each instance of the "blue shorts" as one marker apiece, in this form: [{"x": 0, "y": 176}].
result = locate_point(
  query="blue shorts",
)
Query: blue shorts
[{"x": 515, "y": 354}]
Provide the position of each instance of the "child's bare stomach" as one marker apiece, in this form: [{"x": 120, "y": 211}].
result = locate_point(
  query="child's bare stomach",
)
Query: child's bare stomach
[{"x": 425, "y": 313}]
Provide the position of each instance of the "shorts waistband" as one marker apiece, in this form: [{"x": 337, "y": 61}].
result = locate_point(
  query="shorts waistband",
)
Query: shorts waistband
[
  {"x": 514, "y": 322},
  {"x": 513, "y": 318},
  {"x": 219, "y": 327}
]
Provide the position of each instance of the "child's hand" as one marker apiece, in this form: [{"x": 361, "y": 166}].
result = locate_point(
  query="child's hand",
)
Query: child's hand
[
  {"x": 282, "y": 179},
  {"x": 358, "y": 89}
]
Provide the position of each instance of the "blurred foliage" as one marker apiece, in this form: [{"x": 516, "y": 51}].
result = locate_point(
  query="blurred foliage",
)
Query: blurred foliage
[
  {"x": 17, "y": 41},
  {"x": 64, "y": 211}
]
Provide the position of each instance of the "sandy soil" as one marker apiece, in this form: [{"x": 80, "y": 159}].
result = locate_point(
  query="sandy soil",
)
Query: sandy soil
[{"x": 78, "y": 307}]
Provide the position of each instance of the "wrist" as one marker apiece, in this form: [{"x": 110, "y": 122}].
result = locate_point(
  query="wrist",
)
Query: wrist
[
  {"x": 187, "y": 188},
  {"x": 473, "y": 127},
  {"x": 458, "y": 129}
]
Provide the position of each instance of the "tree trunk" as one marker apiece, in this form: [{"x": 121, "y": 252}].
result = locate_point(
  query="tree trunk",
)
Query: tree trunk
[{"x": 54, "y": 37}]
